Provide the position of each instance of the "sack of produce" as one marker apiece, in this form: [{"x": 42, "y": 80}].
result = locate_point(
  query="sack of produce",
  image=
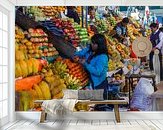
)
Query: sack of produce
[{"x": 142, "y": 95}]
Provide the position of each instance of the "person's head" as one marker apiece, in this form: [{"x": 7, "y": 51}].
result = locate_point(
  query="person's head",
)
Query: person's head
[
  {"x": 154, "y": 27},
  {"x": 91, "y": 12},
  {"x": 161, "y": 29},
  {"x": 71, "y": 7},
  {"x": 98, "y": 44},
  {"x": 125, "y": 21}
]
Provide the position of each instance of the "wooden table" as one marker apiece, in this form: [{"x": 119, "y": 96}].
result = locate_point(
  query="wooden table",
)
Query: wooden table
[{"x": 113, "y": 102}]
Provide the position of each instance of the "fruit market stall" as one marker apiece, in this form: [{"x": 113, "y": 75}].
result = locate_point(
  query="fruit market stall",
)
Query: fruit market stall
[{"x": 45, "y": 43}]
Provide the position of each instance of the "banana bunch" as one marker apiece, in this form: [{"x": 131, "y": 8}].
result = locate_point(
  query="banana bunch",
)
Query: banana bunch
[
  {"x": 113, "y": 52},
  {"x": 112, "y": 21},
  {"x": 112, "y": 65},
  {"x": 24, "y": 68},
  {"x": 45, "y": 90},
  {"x": 24, "y": 101},
  {"x": 81, "y": 106},
  {"x": 38, "y": 91},
  {"x": 110, "y": 40},
  {"x": 59, "y": 68},
  {"x": 71, "y": 82},
  {"x": 19, "y": 33},
  {"x": 59, "y": 95},
  {"x": 34, "y": 96},
  {"x": 56, "y": 84},
  {"x": 47, "y": 72}
]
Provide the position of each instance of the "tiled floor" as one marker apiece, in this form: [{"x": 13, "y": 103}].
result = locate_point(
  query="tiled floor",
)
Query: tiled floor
[{"x": 157, "y": 124}]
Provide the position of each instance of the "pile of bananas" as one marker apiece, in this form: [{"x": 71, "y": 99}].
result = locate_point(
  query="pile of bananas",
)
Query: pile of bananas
[
  {"x": 112, "y": 21},
  {"x": 23, "y": 99},
  {"x": 72, "y": 82},
  {"x": 113, "y": 52},
  {"x": 26, "y": 99},
  {"x": 81, "y": 106},
  {"x": 56, "y": 84},
  {"x": 101, "y": 26},
  {"x": 59, "y": 68},
  {"x": 113, "y": 65},
  {"x": 24, "y": 68}
]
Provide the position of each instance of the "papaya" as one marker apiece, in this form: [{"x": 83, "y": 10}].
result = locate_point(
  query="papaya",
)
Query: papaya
[{"x": 27, "y": 83}]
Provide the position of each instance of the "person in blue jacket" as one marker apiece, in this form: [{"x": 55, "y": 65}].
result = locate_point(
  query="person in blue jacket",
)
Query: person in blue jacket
[{"x": 95, "y": 60}]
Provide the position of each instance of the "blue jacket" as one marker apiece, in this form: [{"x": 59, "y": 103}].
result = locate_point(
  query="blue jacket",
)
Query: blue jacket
[{"x": 97, "y": 67}]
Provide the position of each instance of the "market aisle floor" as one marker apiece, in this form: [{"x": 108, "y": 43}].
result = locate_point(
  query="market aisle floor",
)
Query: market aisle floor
[{"x": 85, "y": 125}]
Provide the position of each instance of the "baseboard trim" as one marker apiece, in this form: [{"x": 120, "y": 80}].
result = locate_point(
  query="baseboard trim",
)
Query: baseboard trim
[{"x": 93, "y": 115}]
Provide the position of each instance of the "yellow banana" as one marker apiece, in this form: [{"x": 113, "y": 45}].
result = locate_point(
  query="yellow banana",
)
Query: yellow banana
[
  {"x": 33, "y": 94},
  {"x": 18, "y": 71},
  {"x": 24, "y": 68},
  {"x": 35, "y": 65},
  {"x": 45, "y": 90},
  {"x": 58, "y": 96},
  {"x": 29, "y": 65},
  {"x": 38, "y": 90}
]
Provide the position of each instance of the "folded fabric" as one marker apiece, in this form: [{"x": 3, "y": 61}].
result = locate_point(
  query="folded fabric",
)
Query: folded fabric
[{"x": 59, "y": 106}]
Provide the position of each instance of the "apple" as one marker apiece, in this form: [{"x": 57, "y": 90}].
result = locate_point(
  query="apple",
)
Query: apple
[{"x": 66, "y": 30}]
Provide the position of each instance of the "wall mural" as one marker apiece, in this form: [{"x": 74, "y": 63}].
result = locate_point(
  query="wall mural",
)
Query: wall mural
[{"x": 60, "y": 53}]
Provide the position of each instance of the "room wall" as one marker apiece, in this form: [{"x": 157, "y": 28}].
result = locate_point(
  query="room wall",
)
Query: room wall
[
  {"x": 11, "y": 8},
  {"x": 34, "y": 115}
]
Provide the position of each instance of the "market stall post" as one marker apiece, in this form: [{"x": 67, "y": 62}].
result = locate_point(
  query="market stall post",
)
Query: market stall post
[
  {"x": 86, "y": 17},
  {"x": 82, "y": 16}
]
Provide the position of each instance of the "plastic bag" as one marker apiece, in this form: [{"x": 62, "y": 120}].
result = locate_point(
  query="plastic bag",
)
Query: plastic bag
[{"x": 142, "y": 95}]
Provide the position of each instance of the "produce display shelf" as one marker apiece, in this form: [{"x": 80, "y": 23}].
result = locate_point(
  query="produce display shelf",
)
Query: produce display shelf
[{"x": 65, "y": 48}]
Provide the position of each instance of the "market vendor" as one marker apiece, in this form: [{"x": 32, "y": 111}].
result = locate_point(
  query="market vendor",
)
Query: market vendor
[
  {"x": 156, "y": 39},
  {"x": 72, "y": 13},
  {"x": 120, "y": 30},
  {"x": 95, "y": 58}
]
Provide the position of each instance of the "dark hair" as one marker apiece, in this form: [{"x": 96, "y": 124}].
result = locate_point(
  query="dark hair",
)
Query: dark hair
[
  {"x": 154, "y": 25},
  {"x": 70, "y": 7},
  {"x": 161, "y": 29},
  {"x": 125, "y": 20},
  {"x": 100, "y": 40}
]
